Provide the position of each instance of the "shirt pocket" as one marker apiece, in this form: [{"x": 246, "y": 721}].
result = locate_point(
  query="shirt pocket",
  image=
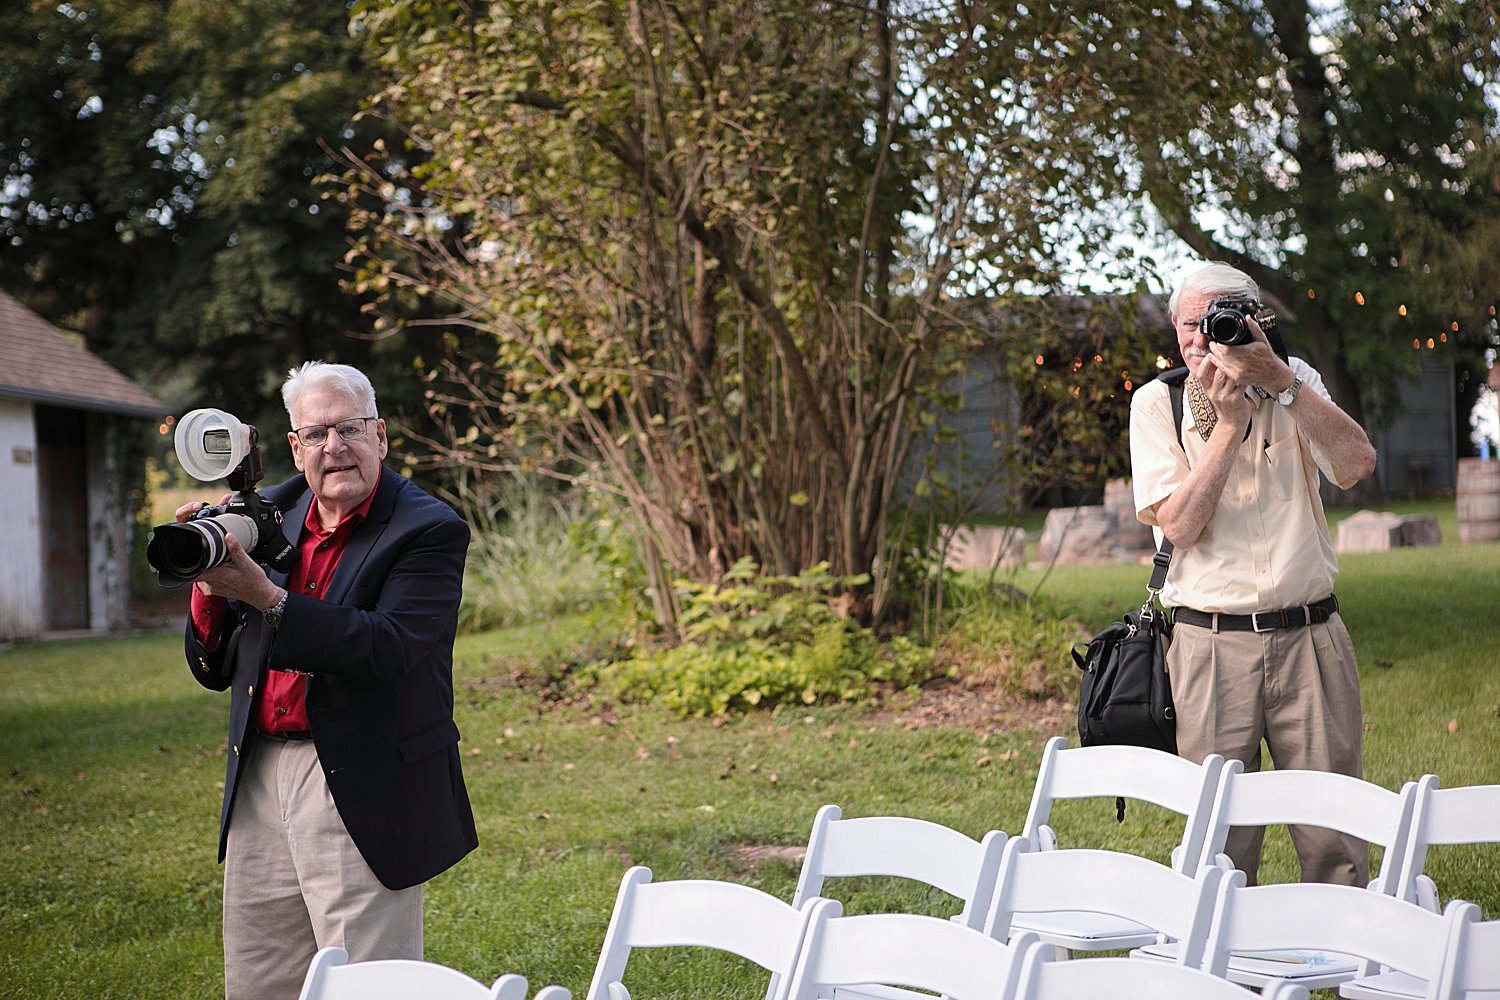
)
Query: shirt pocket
[{"x": 1280, "y": 467}]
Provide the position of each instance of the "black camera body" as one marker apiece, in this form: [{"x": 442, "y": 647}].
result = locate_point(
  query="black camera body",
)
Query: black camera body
[
  {"x": 181, "y": 551},
  {"x": 1224, "y": 323}
]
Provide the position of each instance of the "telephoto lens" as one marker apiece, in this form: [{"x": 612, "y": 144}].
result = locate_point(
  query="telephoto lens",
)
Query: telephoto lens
[{"x": 180, "y": 552}]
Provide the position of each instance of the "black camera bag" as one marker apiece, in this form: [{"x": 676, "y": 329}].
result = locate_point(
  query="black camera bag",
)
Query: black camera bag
[{"x": 1126, "y": 694}]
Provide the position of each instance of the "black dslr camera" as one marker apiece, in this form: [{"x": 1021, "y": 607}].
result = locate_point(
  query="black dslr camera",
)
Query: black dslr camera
[
  {"x": 1224, "y": 323},
  {"x": 212, "y": 444}
]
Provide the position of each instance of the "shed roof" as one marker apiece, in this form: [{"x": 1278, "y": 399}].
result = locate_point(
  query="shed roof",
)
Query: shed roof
[{"x": 40, "y": 363}]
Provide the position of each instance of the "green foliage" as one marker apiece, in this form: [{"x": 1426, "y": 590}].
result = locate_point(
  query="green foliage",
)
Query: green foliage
[
  {"x": 765, "y": 641},
  {"x": 535, "y": 553},
  {"x": 1017, "y": 646}
]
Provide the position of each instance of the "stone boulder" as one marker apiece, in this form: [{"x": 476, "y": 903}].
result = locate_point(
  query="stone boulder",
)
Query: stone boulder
[
  {"x": 1380, "y": 531},
  {"x": 1079, "y": 536},
  {"x": 984, "y": 546}
]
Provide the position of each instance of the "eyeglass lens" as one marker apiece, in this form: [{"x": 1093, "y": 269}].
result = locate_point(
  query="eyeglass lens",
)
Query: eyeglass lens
[{"x": 348, "y": 430}]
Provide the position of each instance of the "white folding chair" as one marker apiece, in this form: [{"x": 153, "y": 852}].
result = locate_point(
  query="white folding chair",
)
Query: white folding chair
[
  {"x": 1348, "y": 805},
  {"x": 1467, "y": 814},
  {"x": 908, "y": 950},
  {"x": 1319, "y": 935},
  {"x": 1464, "y": 814},
  {"x": 330, "y": 976},
  {"x": 1123, "y": 979},
  {"x": 1089, "y": 900},
  {"x": 899, "y": 847},
  {"x": 1124, "y": 772},
  {"x": 1471, "y": 970},
  {"x": 1119, "y": 772},
  {"x": 902, "y": 847},
  {"x": 699, "y": 913}
]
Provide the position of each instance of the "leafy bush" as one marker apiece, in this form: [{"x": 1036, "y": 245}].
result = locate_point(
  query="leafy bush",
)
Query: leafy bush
[
  {"x": 765, "y": 640},
  {"x": 1020, "y": 646},
  {"x": 536, "y": 552}
]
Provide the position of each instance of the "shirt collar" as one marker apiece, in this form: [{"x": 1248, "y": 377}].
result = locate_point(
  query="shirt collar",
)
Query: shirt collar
[{"x": 351, "y": 519}]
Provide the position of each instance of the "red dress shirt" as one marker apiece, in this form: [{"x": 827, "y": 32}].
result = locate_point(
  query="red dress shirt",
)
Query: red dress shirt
[{"x": 281, "y": 704}]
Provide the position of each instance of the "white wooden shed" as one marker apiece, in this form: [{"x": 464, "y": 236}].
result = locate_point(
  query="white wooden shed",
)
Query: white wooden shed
[{"x": 67, "y": 422}]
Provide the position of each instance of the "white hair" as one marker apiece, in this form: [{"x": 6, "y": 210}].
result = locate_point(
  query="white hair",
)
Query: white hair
[
  {"x": 1214, "y": 279},
  {"x": 345, "y": 379}
]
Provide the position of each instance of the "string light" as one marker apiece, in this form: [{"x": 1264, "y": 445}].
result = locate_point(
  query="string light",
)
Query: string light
[
  {"x": 1443, "y": 338},
  {"x": 1416, "y": 345},
  {"x": 1311, "y": 294},
  {"x": 1359, "y": 298},
  {"x": 1430, "y": 344},
  {"x": 1040, "y": 360},
  {"x": 1453, "y": 326},
  {"x": 1401, "y": 311}
]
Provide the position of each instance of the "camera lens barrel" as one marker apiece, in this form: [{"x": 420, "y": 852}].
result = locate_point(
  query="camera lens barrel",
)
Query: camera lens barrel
[
  {"x": 1227, "y": 327},
  {"x": 180, "y": 552}
]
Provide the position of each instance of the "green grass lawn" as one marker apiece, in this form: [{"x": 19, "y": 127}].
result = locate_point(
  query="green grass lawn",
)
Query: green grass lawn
[{"x": 114, "y": 762}]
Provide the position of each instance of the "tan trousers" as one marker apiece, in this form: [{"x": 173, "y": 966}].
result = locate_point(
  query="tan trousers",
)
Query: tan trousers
[
  {"x": 1298, "y": 690},
  {"x": 294, "y": 882}
]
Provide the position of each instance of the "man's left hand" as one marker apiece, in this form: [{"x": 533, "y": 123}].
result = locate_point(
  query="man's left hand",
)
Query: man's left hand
[{"x": 239, "y": 578}]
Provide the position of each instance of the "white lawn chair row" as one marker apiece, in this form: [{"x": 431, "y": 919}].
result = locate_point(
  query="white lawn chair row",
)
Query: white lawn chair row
[{"x": 814, "y": 952}]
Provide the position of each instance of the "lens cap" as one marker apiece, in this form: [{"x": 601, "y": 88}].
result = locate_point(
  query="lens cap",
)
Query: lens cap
[{"x": 211, "y": 443}]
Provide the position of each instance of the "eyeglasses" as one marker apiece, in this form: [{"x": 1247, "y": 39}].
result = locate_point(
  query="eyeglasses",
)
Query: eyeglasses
[{"x": 316, "y": 435}]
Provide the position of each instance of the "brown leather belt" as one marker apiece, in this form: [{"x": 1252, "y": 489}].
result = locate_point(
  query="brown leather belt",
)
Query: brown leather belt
[{"x": 1261, "y": 621}]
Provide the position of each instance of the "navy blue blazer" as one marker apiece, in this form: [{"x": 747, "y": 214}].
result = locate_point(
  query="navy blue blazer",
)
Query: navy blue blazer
[{"x": 378, "y": 650}]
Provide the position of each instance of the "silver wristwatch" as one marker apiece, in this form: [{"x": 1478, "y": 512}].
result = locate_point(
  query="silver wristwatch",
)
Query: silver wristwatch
[
  {"x": 1286, "y": 398},
  {"x": 273, "y": 614}
]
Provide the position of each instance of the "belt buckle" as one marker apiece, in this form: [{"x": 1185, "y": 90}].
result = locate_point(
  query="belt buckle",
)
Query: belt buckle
[{"x": 1277, "y": 619}]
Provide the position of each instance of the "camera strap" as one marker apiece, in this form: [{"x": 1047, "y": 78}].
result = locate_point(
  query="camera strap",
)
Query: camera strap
[{"x": 231, "y": 644}]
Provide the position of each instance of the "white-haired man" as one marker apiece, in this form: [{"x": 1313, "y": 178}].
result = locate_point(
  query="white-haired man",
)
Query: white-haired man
[
  {"x": 343, "y": 791},
  {"x": 1258, "y": 650}
]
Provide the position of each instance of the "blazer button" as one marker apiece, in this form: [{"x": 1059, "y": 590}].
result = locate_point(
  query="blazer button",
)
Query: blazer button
[
  {"x": 236, "y": 751},
  {"x": 250, "y": 690}
]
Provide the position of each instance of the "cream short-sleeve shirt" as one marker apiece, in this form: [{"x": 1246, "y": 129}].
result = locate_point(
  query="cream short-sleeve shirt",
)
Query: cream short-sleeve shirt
[{"x": 1267, "y": 545}]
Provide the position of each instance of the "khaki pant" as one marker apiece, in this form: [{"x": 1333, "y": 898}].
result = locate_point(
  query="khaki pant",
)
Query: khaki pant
[
  {"x": 1298, "y": 690},
  {"x": 294, "y": 882}
]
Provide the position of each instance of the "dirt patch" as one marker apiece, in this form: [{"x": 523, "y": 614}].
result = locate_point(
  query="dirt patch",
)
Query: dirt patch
[
  {"x": 751, "y": 855},
  {"x": 979, "y": 708}
]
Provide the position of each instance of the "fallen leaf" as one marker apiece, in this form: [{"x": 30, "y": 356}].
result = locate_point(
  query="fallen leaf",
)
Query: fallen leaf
[
  {"x": 983, "y": 761},
  {"x": 1452, "y": 725},
  {"x": 641, "y": 753}
]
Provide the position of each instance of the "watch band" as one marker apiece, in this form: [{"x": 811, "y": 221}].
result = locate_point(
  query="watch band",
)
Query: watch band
[
  {"x": 273, "y": 614},
  {"x": 1289, "y": 395}
]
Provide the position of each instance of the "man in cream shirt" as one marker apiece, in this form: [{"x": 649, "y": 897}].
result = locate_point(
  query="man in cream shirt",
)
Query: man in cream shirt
[{"x": 1258, "y": 651}]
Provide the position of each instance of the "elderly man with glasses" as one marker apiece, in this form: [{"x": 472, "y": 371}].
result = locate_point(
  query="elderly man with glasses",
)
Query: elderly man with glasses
[{"x": 343, "y": 792}]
